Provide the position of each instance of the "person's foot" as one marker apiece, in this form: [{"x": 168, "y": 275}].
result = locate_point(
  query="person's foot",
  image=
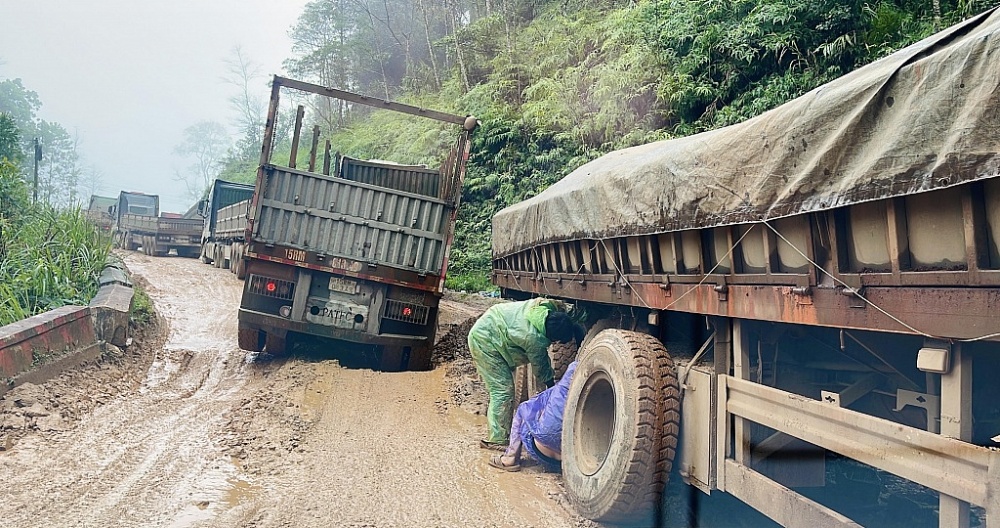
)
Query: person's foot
[
  {"x": 505, "y": 463},
  {"x": 495, "y": 446}
]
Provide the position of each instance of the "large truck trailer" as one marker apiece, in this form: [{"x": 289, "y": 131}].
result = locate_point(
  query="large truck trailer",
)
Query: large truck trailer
[
  {"x": 137, "y": 223},
  {"x": 223, "y": 237},
  {"x": 817, "y": 287},
  {"x": 349, "y": 249}
]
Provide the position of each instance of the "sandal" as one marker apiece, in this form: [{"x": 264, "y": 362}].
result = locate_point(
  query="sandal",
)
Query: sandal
[
  {"x": 495, "y": 446},
  {"x": 497, "y": 462}
]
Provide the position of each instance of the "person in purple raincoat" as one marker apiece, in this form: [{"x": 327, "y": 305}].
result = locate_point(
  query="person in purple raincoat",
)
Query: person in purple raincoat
[{"x": 537, "y": 428}]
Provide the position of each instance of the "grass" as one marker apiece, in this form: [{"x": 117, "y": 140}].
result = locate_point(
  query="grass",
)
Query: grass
[
  {"x": 51, "y": 258},
  {"x": 469, "y": 282},
  {"x": 142, "y": 307}
]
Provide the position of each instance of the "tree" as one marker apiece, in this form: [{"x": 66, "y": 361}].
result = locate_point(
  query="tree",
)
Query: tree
[
  {"x": 10, "y": 138},
  {"x": 59, "y": 171},
  {"x": 205, "y": 144},
  {"x": 20, "y": 105},
  {"x": 247, "y": 103}
]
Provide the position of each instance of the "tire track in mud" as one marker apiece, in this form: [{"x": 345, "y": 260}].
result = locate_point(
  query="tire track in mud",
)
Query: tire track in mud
[
  {"x": 379, "y": 455},
  {"x": 144, "y": 458}
]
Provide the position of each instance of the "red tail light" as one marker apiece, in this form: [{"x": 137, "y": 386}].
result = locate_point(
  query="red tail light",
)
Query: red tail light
[
  {"x": 271, "y": 286},
  {"x": 407, "y": 311}
]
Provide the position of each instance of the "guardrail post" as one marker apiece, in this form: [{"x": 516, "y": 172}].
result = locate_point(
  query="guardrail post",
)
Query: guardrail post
[{"x": 956, "y": 422}]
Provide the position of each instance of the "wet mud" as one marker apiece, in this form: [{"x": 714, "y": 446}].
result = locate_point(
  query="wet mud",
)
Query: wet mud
[{"x": 184, "y": 429}]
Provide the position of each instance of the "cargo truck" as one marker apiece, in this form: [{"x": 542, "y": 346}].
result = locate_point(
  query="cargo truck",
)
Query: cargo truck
[
  {"x": 349, "y": 249},
  {"x": 136, "y": 222},
  {"x": 223, "y": 237},
  {"x": 815, "y": 288},
  {"x": 97, "y": 212}
]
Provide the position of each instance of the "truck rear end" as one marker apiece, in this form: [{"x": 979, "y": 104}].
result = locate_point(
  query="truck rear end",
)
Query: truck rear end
[
  {"x": 224, "y": 230},
  {"x": 355, "y": 250},
  {"x": 134, "y": 217},
  {"x": 183, "y": 235}
]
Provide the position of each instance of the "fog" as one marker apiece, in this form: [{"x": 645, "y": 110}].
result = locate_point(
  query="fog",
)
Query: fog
[{"x": 127, "y": 77}]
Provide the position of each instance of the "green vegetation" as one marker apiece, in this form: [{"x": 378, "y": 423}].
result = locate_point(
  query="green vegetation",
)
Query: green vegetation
[
  {"x": 48, "y": 257},
  {"x": 556, "y": 84},
  {"x": 142, "y": 307}
]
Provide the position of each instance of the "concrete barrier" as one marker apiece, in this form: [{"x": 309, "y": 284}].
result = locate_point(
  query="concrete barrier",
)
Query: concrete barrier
[{"x": 42, "y": 346}]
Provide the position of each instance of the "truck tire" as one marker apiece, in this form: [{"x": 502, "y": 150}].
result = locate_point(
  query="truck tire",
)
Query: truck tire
[
  {"x": 239, "y": 266},
  {"x": 273, "y": 344},
  {"x": 620, "y": 435},
  {"x": 204, "y": 258},
  {"x": 390, "y": 359},
  {"x": 598, "y": 327},
  {"x": 420, "y": 359},
  {"x": 216, "y": 257},
  {"x": 525, "y": 386},
  {"x": 250, "y": 339}
]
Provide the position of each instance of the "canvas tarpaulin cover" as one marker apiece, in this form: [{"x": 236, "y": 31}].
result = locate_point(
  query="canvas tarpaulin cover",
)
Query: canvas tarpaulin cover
[{"x": 924, "y": 118}]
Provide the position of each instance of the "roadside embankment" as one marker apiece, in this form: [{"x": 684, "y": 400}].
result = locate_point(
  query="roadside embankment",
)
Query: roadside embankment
[{"x": 41, "y": 347}]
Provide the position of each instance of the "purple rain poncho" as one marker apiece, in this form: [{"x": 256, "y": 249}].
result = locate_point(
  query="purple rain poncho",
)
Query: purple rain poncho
[{"x": 540, "y": 419}]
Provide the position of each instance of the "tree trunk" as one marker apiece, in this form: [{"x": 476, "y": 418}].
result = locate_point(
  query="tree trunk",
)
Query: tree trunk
[
  {"x": 430, "y": 48},
  {"x": 458, "y": 48}
]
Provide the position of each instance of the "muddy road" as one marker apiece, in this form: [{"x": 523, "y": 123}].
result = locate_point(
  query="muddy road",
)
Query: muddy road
[{"x": 186, "y": 430}]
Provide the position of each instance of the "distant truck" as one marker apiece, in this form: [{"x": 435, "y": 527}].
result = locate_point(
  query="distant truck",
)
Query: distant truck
[
  {"x": 354, "y": 250},
  {"x": 223, "y": 236},
  {"x": 97, "y": 212},
  {"x": 136, "y": 222}
]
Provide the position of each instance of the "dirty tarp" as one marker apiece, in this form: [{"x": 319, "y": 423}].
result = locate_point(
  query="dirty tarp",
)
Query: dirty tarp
[{"x": 924, "y": 118}]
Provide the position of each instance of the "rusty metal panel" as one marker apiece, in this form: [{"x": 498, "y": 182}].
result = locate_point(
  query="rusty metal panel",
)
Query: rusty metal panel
[
  {"x": 340, "y": 217},
  {"x": 949, "y": 466},
  {"x": 409, "y": 178}
]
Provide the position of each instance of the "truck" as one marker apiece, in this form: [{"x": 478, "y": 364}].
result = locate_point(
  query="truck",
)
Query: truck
[
  {"x": 97, "y": 212},
  {"x": 137, "y": 223},
  {"x": 781, "y": 306},
  {"x": 349, "y": 249},
  {"x": 223, "y": 236}
]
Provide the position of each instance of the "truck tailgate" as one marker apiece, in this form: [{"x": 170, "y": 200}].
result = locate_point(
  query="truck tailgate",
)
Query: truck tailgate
[{"x": 339, "y": 217}]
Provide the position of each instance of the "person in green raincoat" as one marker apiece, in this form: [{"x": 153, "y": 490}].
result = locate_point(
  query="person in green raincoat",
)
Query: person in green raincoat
[{"x": 512, "y": 334}]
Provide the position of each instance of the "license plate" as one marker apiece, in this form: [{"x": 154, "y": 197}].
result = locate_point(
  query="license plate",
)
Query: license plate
[
  {"x": 338, "y": 284},
  {"x": 336, "y": 313}
]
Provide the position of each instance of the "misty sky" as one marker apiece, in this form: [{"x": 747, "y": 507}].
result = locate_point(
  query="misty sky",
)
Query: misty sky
[{"x": 128, "y": 76}]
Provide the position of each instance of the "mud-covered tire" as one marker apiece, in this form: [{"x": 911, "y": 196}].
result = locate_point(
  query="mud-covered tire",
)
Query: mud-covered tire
[
  {"x": 274, "y": 344},
  {"x": 598, "y": 327},
  {"x": 132, "y": 245},
  {"x": 525, "y": 385},
  {"x": 420, "y": 359},
  {"x": 240, "y": 264},
  {"x": 561, "y": 355},
  {"x": 620, "y": 434},
  {"x": 250, "y": 339}
]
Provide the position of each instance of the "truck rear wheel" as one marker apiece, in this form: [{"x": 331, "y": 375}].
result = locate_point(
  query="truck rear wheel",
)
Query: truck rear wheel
[
  {"x": 250, "y": 339},
  {"x": 525, "y": 386},
  {"x": 620, "y": 436},
  {"x": 274, "y": 344},
  {"x": 239, "y": 266}
]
